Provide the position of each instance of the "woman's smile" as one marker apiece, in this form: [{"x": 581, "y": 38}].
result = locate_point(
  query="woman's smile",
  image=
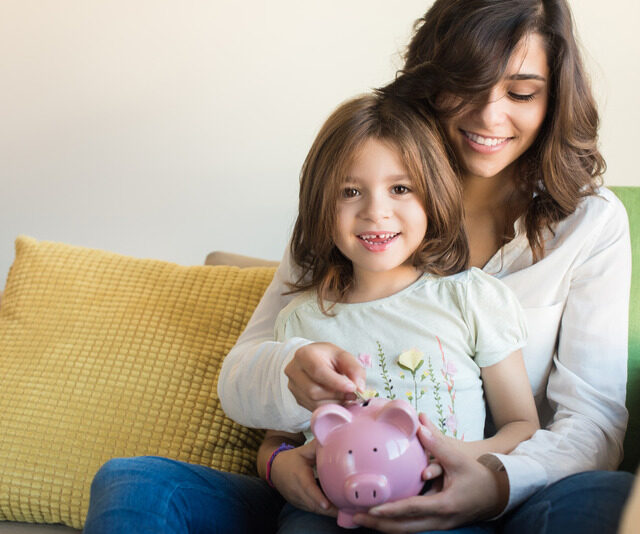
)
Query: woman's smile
[{"x": 485, "y": 144}]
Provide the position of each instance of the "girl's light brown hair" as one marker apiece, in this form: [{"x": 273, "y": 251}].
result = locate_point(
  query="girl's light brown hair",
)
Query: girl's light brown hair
[
  {"x": 462, "y": 48},
  {"x": 419, "y": 142}
]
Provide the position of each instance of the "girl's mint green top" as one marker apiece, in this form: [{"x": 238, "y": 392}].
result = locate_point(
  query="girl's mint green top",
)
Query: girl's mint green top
[{"x": 425, "y": 344}]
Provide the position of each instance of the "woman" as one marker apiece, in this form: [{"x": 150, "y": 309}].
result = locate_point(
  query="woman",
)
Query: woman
[{"x": 506, "y": 81}]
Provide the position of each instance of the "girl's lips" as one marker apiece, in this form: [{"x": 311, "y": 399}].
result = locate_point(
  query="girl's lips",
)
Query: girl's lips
[
  {"x": 485, "y": 145},
  {"x": 378, "y": 242}
]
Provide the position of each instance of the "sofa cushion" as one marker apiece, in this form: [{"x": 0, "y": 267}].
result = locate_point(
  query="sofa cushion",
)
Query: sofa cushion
[
  {"x": 630, "y": 197},
  {"x": 103, "y": 356}
]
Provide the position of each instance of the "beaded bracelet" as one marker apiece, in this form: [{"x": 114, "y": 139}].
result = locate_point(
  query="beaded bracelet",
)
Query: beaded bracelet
[{"x": 283, "y": 447}]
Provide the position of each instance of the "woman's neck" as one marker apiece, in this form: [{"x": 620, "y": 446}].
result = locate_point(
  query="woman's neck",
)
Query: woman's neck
[{"x": 491, "y": 205}]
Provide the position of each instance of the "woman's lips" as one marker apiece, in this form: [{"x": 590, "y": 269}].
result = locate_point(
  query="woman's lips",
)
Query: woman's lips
[
  {"x": 485, "y": 145},
  {"x": 377, "y": 242}
]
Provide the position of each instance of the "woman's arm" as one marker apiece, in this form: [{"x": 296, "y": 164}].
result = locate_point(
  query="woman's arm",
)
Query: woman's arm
[
  {"x": 587, "y": 382},
  {"x": 508, "y": 394},
  {"x": 265, "y": 383},
  {"x": 252, "y": 386}
]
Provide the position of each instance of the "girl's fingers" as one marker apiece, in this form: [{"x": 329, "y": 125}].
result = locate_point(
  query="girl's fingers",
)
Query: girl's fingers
[{"x": 347, "y": 365}]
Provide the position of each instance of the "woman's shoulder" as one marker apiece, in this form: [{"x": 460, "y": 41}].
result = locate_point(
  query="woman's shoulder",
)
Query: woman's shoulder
[
  {"x": 600, "y": 208},
  {"x": 600, "y": 217}
]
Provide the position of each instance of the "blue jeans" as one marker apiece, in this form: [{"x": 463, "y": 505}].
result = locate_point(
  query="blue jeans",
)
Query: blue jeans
[{"x": 162, "y": 496}]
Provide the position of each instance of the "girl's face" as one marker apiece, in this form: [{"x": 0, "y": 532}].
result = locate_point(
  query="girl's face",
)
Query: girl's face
[
  {"x": 380, "y": 219},
  {"x": 488, "y": 139}
]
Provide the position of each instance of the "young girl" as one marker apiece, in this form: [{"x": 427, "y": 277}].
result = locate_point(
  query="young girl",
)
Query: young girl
[{"x": 380, "y": 240}]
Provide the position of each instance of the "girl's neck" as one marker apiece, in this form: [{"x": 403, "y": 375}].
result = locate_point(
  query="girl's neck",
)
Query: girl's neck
[{"x": 370, "y": 286}]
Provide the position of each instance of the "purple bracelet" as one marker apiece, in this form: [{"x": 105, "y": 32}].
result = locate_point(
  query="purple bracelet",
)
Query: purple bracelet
[{"x": 283, "y": 447}]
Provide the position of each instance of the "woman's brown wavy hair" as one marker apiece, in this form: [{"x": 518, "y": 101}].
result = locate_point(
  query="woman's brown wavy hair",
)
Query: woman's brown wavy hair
[
  {"x": 462, "y": 47},
  {"x": 419, "y": 142}
]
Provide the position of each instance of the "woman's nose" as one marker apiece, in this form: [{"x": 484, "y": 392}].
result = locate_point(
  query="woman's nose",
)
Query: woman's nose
[{"x": 493, "y": 111}]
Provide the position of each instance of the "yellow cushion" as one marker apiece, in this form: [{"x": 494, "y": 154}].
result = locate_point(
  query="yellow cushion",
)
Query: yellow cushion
[{"x": 102, "y": 356}]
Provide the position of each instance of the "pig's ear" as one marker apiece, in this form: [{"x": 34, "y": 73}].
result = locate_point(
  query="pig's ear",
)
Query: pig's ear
[
  {"x": 399, "y": 413},
  {"x": 326, "y": 419}
]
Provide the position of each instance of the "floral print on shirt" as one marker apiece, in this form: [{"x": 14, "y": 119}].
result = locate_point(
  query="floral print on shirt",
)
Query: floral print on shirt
[{"x": 411, "y": 361}]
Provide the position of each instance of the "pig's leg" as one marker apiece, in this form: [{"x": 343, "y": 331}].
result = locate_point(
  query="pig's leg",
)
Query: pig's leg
[{"x": 345, "y": 519}]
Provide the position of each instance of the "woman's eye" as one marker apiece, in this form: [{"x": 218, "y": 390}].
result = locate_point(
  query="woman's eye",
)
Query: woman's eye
[
  {"x": 350, "y": 192},
  {"x": 400, "y": 190},
  {"x": 522, "y": 98}
]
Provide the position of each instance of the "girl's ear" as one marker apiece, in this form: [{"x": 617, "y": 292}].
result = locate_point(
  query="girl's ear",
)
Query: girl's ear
[
  {"x": 326, "y": 419},
  {"x": 400, "y": 414}
]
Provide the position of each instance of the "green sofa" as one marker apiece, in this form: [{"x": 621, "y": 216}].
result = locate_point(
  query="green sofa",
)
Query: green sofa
[{"x": 630, "y": 196}]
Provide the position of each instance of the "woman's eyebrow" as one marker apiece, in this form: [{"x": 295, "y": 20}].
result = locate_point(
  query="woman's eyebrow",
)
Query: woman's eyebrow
[{"x": 524, "y": 76}]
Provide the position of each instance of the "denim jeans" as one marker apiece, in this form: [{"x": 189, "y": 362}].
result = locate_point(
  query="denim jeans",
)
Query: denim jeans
[{"x": 162, "y": 496}]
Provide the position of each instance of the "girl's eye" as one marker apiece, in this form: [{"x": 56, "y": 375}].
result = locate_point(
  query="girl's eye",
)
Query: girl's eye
[
  {"x": 350, "y": 192},
  {"x": 522, "y": 98},
  {"x": 400, "y": 190}
]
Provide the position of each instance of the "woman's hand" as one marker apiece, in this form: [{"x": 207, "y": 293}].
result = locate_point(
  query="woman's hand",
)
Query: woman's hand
[
  {"x": 320, "y": 373},
  {"x": 292, "y": 475},
  {"x": 470, "y": 492}
]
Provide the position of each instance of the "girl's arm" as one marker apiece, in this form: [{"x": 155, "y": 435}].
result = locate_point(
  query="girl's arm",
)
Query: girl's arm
[
  {"x": 292, "y": 471},
  {"x": 508, "y": 395}
]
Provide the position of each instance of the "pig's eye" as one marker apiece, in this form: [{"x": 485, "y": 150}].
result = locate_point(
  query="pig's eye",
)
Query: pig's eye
[
  {"x": 375, "y": 449},
  {"x": 350, "y": 452}
]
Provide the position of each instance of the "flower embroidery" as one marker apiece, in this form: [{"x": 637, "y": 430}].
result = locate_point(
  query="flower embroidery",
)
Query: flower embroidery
[
  {"x": 449, "y": 370},
  {"x": 382, "y": 361},
  {"x": 364, "y": 359},
  {"x": 411, "y": 360},
  {"x": 452, "y": 424}
]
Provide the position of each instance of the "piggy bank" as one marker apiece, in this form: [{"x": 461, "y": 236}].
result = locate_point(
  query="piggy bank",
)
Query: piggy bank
[{"x": 367, "y": 454}]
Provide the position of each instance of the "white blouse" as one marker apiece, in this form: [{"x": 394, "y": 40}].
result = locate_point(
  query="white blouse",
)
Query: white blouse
[{"x": 576, "y": 302}]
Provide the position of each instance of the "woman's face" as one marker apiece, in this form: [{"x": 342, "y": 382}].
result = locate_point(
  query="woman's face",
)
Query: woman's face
[{"x": 489, "y": 138}]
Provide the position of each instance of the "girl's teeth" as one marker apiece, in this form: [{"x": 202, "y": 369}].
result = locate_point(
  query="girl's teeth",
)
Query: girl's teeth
[
  {"x": 487, "y": 141},
  {"x": 379, "y": 237}
]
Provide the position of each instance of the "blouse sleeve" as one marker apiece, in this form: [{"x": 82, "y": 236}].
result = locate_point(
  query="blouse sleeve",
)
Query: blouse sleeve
[
  {"x": 587, "y": 384},
  {"x": 495, "y": 318},
  {"x": 252, "y": 386}
]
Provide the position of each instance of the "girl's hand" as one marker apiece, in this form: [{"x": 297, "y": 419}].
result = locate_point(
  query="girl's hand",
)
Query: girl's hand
[
  {"x": 470, "y": 492},
  {"x": 320, "y": 373},
  {"x": 292, "y": 475}
]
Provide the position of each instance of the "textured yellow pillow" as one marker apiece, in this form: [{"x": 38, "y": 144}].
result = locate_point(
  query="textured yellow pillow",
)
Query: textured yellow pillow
[{"x": 103, "y": 355}]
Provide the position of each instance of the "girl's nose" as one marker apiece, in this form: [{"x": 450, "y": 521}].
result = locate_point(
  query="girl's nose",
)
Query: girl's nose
[{"x": 376, "y": 208}]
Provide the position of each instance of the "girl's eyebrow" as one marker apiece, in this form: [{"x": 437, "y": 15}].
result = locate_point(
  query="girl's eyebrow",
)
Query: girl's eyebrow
[
  {"x": 389, "y": 178},
  {"x": 524, "y": 76}
]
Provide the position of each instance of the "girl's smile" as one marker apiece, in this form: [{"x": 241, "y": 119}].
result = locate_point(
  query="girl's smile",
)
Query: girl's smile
[{"x": 378, "y": 241}]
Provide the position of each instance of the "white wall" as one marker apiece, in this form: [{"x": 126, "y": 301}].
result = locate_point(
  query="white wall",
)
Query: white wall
[{"x": 170, "y": 128}]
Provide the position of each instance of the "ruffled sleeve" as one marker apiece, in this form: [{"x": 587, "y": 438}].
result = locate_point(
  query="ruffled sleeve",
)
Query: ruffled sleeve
[{"x": 495, "y": 318}]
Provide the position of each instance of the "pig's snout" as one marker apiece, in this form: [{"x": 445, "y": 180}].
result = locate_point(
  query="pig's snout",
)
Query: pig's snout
[{"x": 367, "y": 489}]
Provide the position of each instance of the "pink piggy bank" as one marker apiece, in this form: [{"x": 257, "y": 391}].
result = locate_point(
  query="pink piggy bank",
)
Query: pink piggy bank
[{"x": 367, "y": 454}]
